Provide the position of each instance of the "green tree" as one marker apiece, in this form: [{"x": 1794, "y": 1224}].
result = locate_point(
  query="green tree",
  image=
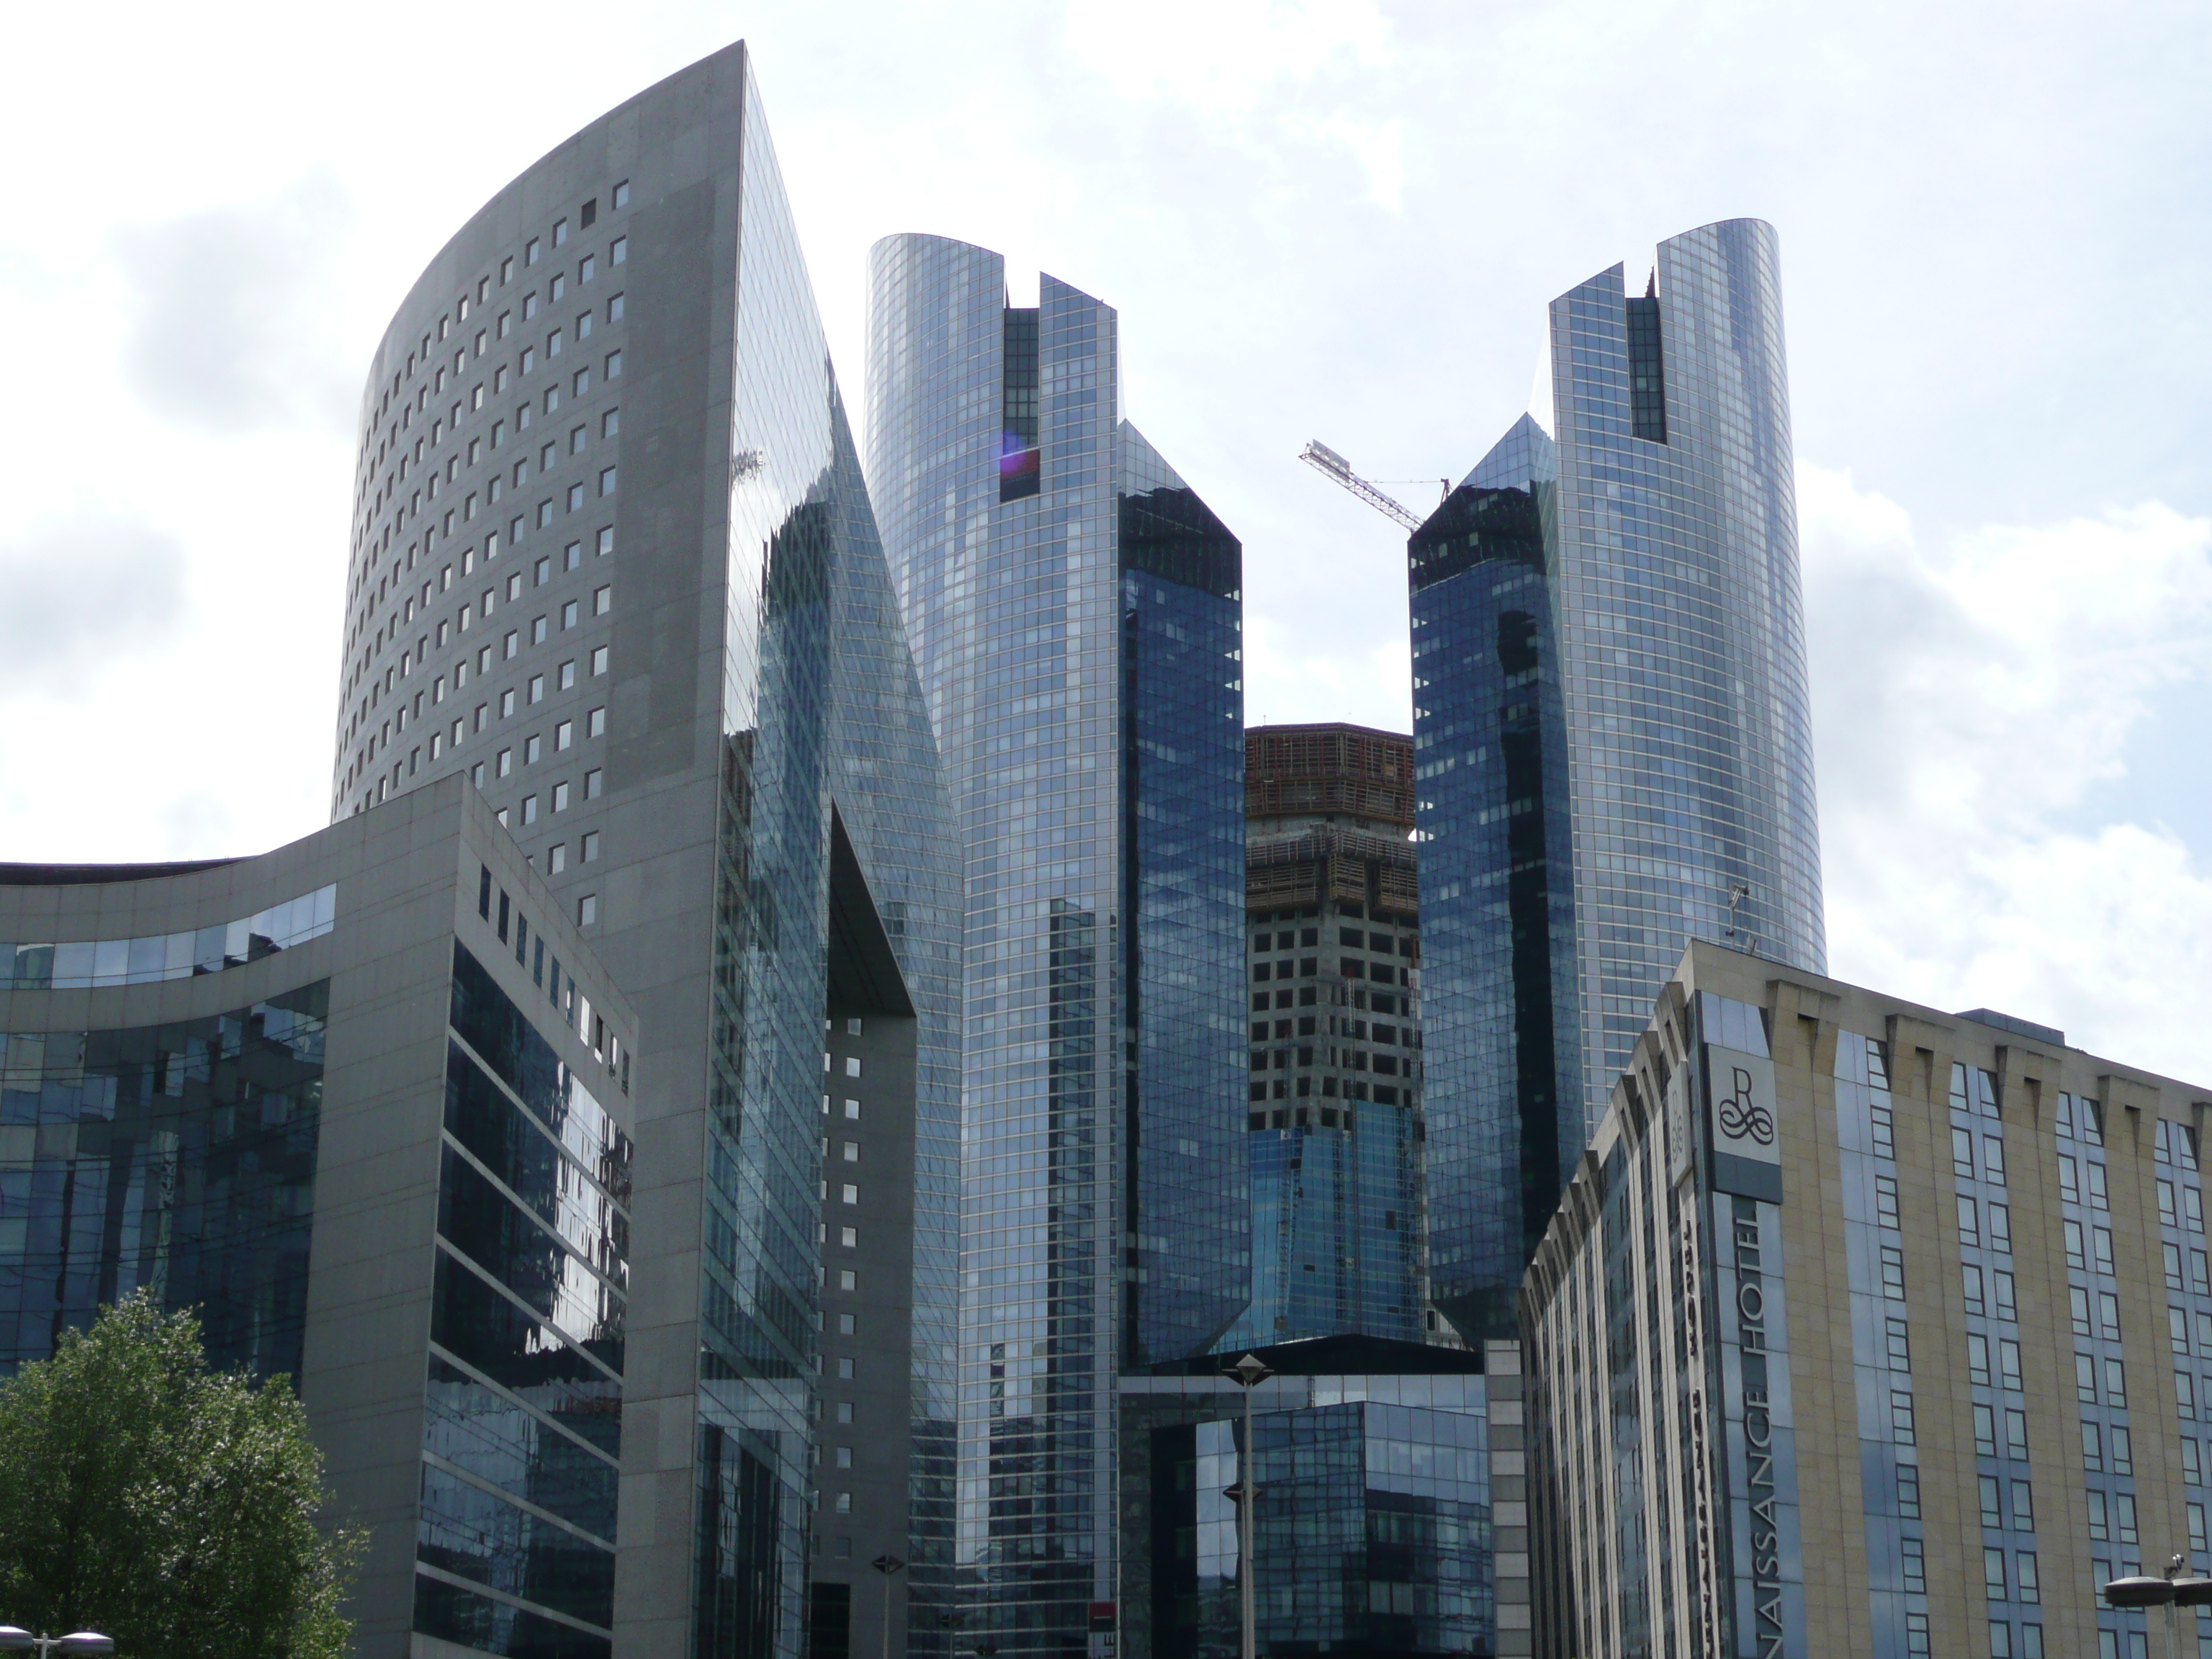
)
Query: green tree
[{"x": 169, "y": 1506}]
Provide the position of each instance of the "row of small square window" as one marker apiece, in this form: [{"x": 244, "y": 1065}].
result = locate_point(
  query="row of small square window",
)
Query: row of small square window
[
  {"x": 564, "y": 732},
  {"x": 411, "y": 602},
  {"x": 560, "y": 795},
  {"x": 377, "y": 544},
  {"x": 570, "y": 615},
  {"x": 565, "y": 678},
  {"x": 1295, "y": 1117},
  {"x": 369, "y": 495},
  {"x": 575, "y": 496},
  {"x": 369, "y": 503},
  {"x": 564, "y": 735},
  {"x": 1353, "y": 937},
  {"x": 572, "y": 559},
  {"x": 549, "y": 453},
  {"x": 411, "y": 660},
  {"x": 1348, "y": 967},
  {"x": 532, "y": 251}
]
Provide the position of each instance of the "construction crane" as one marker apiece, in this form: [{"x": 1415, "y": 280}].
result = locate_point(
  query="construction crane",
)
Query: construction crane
[{"x": 1330, "y": 465}]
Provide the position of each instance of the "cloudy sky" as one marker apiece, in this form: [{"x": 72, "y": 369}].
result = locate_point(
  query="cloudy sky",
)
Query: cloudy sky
[{"x": 1337, "y": 219}]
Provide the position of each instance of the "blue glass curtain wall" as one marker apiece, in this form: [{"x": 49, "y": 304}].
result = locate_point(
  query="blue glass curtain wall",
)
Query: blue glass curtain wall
[
  {"x": 1497, "y": 921},
  {"x": 83, "y": 964},
  {"x": 889, "y": 794},
  {"x": 821, "y": 703},
  {"x": 1684, "y": 661},
  {"x": 179, "y": 1159},
  {"x": 1011, "y": 607},
  {"x": 522, "y": 1423},
  {"x": 1182, "y": 810},
  {"x": 760, "y": 1259},
  {"x": 1372, "y": 1536},
  {"x": 1336, "y": 1230},
  {"x": 1077, "y": 644}
]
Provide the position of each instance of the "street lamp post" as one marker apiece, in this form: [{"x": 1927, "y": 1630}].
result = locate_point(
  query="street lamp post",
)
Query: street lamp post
[
  {"x": 79, "y": 1643},
  {"x": 2171, "y": 1592},
  {"x": 1250, "y": 1373},
  {"x": 887, "y": 1564}
]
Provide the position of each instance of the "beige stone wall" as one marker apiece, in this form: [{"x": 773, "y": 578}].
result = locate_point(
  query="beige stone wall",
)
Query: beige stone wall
[{"x": 1806, "y": 1016}]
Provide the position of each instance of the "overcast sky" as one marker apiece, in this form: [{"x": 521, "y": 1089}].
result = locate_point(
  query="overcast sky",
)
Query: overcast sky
[{"x": 1339, "y": 219}]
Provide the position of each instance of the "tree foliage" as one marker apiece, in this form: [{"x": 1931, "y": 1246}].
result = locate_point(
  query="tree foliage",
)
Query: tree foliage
[{"x": 170, "y": 1506}]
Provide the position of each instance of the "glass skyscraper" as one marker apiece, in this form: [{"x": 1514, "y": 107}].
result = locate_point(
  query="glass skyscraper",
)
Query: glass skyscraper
[
  {"x": 1612, "y": 729},
  {"x": 613, "y": 559},
  {"x": 1075, "y": 613}
]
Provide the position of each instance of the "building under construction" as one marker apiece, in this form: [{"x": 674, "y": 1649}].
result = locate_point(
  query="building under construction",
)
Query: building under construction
[{"x": 1335, "y": 1092}]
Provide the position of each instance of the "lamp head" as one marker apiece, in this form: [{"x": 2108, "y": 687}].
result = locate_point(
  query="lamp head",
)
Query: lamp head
[
  {"x": 2139, "y": 1591},
  {"x": 1250, "y": 1371},
  {"x": 87, "y": 1644},
  {"x": 14, "y": 1639}
]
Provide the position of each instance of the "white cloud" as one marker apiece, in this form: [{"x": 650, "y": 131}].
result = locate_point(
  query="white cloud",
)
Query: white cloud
[
  {"x": 1363, "y": 683},
  {"x": 1223, "y": 57},
  {"x": 1379, "y": 147},
  {"x": 1280, "y": 79},
  {"x": 1970, "y": 699},
  {"x": 232, "y": 311},
  {"x": 78, "y": 593}
]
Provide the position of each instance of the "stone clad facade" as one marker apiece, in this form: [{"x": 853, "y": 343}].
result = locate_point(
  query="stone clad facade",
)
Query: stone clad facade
[{"x": 1865, "y": 1327}]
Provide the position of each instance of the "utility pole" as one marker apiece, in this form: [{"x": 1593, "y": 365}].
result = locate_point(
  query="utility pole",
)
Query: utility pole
[
  {"x": 887, "y": 1564},
  {"x": 1248, "y": 1373}
]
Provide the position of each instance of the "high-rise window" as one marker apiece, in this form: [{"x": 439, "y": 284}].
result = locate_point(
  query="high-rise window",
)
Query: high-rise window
[
  {"x": 1647, "y": 374},
  {"x": 1020, "y": 471}
]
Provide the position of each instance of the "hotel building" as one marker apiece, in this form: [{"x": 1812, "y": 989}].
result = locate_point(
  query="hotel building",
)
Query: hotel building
[{"x": 1864, "y": 1327}]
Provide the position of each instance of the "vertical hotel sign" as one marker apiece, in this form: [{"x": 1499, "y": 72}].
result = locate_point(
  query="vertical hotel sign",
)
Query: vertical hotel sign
[{"x": 1764, "y": 1576}]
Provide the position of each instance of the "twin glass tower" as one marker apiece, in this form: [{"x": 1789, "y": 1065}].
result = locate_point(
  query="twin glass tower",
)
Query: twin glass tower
[
  {"x": 614, "y": 558},
  {"x": 1076, "y": 613},
  {"x": 1612, "y": 735}
]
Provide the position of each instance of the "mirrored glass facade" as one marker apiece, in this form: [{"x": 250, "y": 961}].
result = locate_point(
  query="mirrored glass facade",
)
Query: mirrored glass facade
[
  {"x": 1372, "y": 1536},
  {"x": 1074, "y": 609},
  {"x": 1683, "y": 633},
  {"x": 1614, "y": 734},
  {"x": 82, "y": 964},
  {"x": 614, "y": 563},
  {"x": 1505, "y": 1051},
  {"x": 176, "y": 1158},
  {"x": 401, "y": 1174},
  {"x": 1182, "y": 868},
  {"x": 889, "y": 797},
  {"x": 1335, "y": 1229},
  {"x": 522, "y": 1410}
]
